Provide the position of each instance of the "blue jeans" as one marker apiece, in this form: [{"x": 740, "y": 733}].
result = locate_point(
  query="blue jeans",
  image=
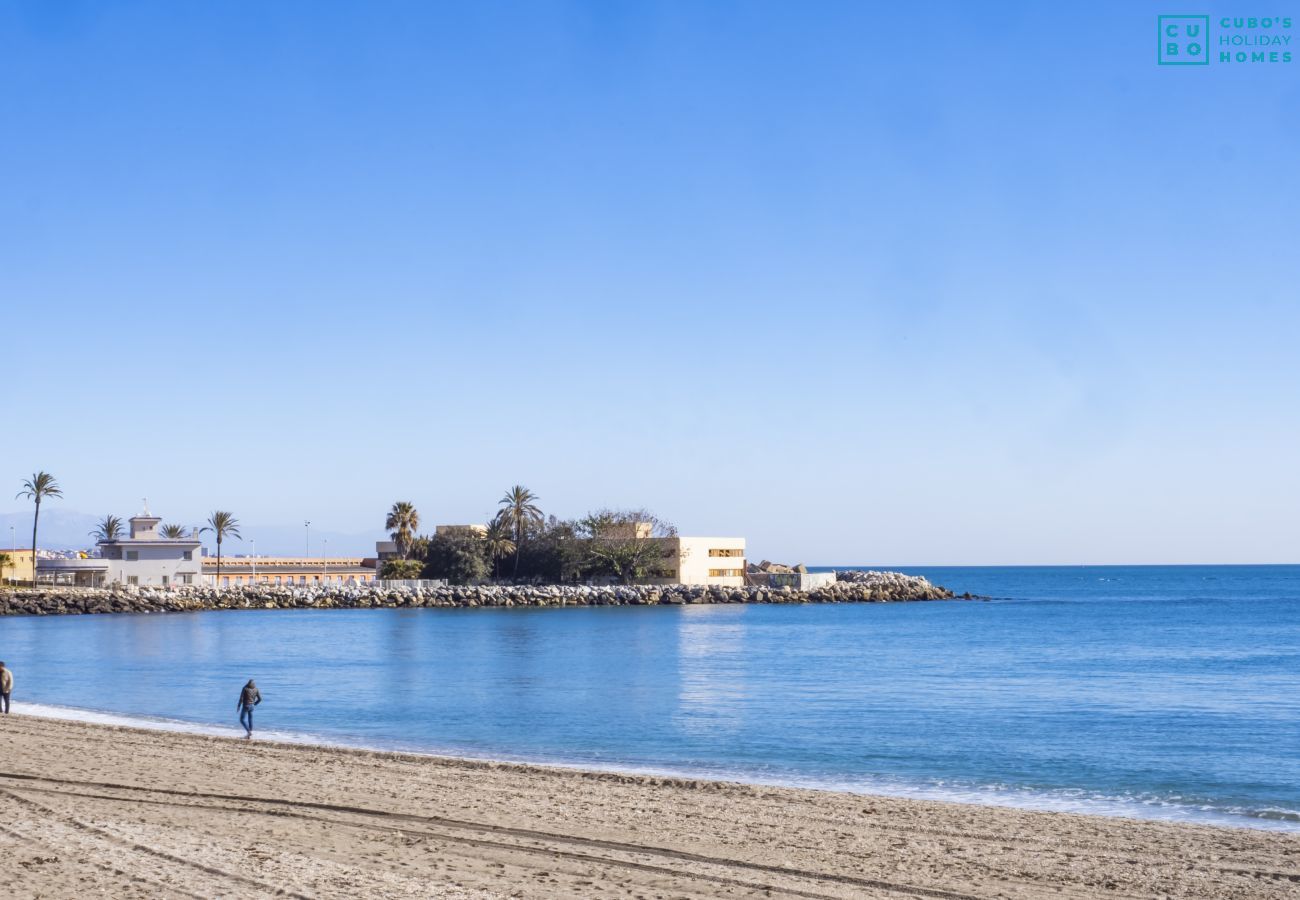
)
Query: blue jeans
[{"x": 246, "y": 718}]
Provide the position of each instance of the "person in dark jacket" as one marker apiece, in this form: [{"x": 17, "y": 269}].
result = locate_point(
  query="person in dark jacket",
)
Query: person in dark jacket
[
  {"x": 249, "y": 697},
  {"x": 6, "y": 687}
]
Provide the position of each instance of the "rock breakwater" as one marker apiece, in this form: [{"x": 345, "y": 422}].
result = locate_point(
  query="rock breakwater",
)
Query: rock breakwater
[{"x": 850, "y": 587}]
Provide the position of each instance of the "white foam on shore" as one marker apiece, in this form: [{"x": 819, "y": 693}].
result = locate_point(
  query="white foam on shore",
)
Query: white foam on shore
[
  {"x": 1057, "y": 800},
  {"x": 176, "y": 726}
]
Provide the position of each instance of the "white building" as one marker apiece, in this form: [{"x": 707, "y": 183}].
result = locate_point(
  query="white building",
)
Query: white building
[
  {"x": 144, "y": 557},
  {"x": 704, "y": 561}
]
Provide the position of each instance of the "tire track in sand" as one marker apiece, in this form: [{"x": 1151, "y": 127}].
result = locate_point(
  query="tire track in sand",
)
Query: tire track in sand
[
  {"x": 296, "y": 808},
  {"x": 134, "y": 847}
]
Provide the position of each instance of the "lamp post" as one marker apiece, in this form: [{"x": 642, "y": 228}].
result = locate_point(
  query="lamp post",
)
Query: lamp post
[
  {"x": 324, "y": 558},
  {"x": 306, "y": 526}
]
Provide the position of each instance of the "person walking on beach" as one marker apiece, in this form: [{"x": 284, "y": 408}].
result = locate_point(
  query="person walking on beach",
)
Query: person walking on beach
[
  {"x": 6, "y": 687},
  {"x": 249, "y": 697}
]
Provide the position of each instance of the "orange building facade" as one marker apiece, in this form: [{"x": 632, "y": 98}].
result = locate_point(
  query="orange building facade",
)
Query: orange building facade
[{"x": 244, "y": 571}]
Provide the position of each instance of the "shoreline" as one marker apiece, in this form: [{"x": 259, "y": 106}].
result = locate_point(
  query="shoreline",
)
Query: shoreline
[
  {"x": 1062, "y": 801},
  {"x": 136, "y": 812},
  {"x": 851, "y": 587}
]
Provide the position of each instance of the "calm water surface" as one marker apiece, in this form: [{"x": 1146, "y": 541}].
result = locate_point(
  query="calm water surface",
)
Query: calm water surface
[{"x": 1166, "y": 692}]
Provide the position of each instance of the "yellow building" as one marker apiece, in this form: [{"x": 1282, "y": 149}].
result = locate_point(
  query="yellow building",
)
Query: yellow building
[
  {"x": 18, "y": 568},
  {"x": 704, "y": 561},
  {"x": 243, "y": 571},
  {"x": 460, "y": 530}
]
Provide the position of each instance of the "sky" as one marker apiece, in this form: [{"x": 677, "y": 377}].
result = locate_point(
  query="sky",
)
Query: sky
[{"x": 864, "y": 283}]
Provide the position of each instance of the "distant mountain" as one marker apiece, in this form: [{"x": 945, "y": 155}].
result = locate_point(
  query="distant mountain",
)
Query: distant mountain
[
  {"x": 61, "y": 529},
  {"x": 291, "y": 540},
  {"x": 65, "y": 529}
]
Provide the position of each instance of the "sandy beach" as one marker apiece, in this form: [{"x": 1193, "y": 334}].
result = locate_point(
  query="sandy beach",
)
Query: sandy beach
[{"x": 94, "y": 810}]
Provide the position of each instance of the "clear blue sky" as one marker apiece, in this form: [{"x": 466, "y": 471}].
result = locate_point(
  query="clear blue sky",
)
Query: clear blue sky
[{"x": 952, "y": 283}]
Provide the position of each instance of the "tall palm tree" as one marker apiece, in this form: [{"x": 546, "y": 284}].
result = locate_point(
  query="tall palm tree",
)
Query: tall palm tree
[
  {"x": 498, "y": 540},
  {"x": 37, "y": 488},
  {"x": 174, "y": 532},
  {"x": 223, "y": 525},
  {"x": 402, "y": 523},
  {"x": 520, "y": 510},
  {"x": 109, "y": 529}
]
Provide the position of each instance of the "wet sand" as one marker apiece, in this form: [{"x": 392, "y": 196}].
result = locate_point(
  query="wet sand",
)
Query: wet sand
[{"x": 95, "y": 810}]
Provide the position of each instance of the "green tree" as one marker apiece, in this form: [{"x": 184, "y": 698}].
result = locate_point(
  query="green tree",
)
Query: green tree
[
  {"x": 627, "y": 544},
  {"x": 521, "y": 511},
  {"x": 37, "y": 488},
  {"x": 419, "y": 548},
  {"x": 223, "y": 525},
  {"x": 461, "y": 558},
  {"x": 498, "y": 542},
  {"x": 6, "y": 562},
  {"x": 553, "y": 554},
  {"x": 402, "y": 523},
  {"x": 108, "y": 529},
  {"x": 174, "y": 532},
  {"x": 401, "y": 569}
]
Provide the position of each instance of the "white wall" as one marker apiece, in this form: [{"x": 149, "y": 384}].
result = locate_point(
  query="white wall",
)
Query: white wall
[
  {"x": 694, "y": 563},
  {"x": 157, "y": 564}
]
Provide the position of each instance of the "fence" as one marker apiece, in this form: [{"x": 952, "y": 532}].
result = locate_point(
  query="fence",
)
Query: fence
[
  {"x": 798, "y": 581},
  {"x": 409, "y": 583}
]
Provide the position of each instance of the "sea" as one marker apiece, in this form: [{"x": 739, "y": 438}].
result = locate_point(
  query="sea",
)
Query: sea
[{"x": 1159, "y": 692}]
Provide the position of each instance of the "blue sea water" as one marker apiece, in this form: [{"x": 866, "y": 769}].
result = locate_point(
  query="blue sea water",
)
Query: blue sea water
[{"x": 1160, "y": 692}]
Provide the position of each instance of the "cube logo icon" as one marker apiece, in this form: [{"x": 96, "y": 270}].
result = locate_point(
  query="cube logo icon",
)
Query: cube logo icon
[{"x": 1184, "y": 40}]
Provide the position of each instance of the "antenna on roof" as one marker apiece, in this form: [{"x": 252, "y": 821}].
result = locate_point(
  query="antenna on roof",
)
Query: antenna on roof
[{"x": 145, "y": 500}]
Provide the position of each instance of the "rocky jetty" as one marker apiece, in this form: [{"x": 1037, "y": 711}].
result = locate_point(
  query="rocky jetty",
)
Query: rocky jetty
[{"x": 850, "y": 587}]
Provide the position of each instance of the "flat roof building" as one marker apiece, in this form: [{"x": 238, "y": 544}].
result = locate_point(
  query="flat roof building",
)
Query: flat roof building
[
  {"x": 18, "y": 569},
  {"x": 144, "y": 558},
  {"x": 704, "y": 561},
  {"x": 285, "y": 571}
]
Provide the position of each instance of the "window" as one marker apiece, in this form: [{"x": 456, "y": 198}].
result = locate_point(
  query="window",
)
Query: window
[
  {"x": 277, "y": 579},
  {"x": 189, "y": 554},
  {"x": 225, "y": 581},
  {"x": 166, "y": 581},
  {"x": 302, "y": 579},
  {"x": 132, "y": 556},
  {"x": 133, "y": 579},
  {"x": 725, "y": 551},
  {"x": 187, "y": 579},
  {"x": 725, "y": 573}
]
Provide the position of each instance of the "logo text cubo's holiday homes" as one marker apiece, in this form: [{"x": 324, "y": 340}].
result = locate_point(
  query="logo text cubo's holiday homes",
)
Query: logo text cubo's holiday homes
[{"x": 1198, "y": 40}]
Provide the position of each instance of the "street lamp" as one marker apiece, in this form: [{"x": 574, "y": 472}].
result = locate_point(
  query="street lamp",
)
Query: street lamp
[
  {"x": 307, "y": 529},
  {"x": 324, "y": 557}
]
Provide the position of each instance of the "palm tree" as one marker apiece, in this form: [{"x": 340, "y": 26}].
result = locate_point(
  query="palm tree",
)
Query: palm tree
[
  {"x": 402, "y": 523},
  {"x": 520, "y": 511},
  {"x": 6, "y": 561},
  {"x": 223, "y": 525},
  {"x": 174, "y": 532},
  {"x": 110, "y": 529},
  {"x": 498, "y": 540},
  {"x": 38, "y": 487}
]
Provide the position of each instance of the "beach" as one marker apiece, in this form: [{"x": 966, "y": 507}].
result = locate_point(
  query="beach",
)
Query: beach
[{"x": 96, "y": 810}]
